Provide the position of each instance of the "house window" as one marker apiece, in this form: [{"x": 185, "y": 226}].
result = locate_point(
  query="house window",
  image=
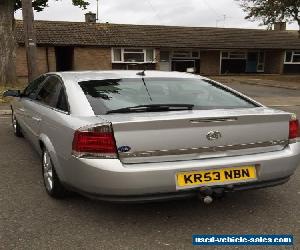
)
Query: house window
[
  {"x": 133, "y": 55},
  {"x": 186, "y": 54},
  {"x": 296, "y": 58},
  {"x": 164, "y": 56},
  {"x": 234, "y": 55},
  {"x": 180, "y": 54},
  {"x": 292, "y": 57},
  {"x": 196, "y": 54},
  {"x": 225, "y": 55},
  {"x": 117, "y": 55},
  {"x": 149, "y": 55}
]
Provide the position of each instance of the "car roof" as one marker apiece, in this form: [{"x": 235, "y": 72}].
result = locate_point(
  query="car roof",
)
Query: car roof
[{"x": 78, "y": 76}]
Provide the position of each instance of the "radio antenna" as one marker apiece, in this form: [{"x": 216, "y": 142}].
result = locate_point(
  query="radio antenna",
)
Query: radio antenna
[{"x": 142, "y": 73}]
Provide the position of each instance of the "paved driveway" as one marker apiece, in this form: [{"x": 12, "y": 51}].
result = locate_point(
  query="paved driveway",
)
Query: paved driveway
[
  {"x": 270, "y": 96},
  {"x": 29, "y": 219}
]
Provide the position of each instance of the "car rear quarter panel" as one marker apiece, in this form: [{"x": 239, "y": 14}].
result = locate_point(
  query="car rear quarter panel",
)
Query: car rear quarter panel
[
  {"x": 56, "y": 134},
  {"x": 79, "y": 105}
]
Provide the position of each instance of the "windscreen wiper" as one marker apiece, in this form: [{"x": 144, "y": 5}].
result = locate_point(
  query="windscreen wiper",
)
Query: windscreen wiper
[{"x": 153, "y": 108}]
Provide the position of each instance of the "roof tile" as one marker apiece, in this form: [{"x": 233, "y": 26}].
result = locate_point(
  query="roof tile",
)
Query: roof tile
[{"x": 59, "y": 33}]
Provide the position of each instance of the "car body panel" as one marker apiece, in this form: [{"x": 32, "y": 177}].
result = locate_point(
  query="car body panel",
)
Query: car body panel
[
  {"x": 111, "y": 177},
  {"x": 173, "y": 130},
  {"x": 180, "y": 130}
]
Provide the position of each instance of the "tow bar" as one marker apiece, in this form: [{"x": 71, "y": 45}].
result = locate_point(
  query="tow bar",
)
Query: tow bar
[{"x": 206, "y": 194}]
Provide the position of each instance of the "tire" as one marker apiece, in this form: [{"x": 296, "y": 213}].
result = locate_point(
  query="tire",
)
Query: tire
[
  {"x": 52, "y": 184},
  {"x": 16, "y": 126}
]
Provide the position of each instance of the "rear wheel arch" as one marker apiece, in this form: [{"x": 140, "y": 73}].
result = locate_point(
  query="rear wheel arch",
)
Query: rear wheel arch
[
  {"x": 42, "y": 146},
  {"x": 46, "y": 144},
  {"x": 51, "y": 180}
]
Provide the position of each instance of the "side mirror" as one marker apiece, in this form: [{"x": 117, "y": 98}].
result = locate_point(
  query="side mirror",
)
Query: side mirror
[{"x": 12, "y": 93}]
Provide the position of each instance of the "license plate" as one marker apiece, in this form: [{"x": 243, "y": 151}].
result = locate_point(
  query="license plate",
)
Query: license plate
[{"x": 216, "y": 176}]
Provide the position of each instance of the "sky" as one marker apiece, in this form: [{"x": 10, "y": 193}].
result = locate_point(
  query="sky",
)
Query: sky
[{"x": 198, "y": 13}]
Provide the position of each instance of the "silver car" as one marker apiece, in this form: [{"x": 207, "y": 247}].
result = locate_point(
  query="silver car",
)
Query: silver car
[{"x": 150, "y": 135}]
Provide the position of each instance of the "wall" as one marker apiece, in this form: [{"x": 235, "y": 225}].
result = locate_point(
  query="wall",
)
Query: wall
[
  {"x": 85, "y": 58},
  {"x": 157, "y": 59},
  {"x": 274, "y": 62},
  {"x": 90, "y": 58},
  {"x": 210, "y": 62},
  {"x": 43, "y": 64},
  {"x": 21, "y": 62}
]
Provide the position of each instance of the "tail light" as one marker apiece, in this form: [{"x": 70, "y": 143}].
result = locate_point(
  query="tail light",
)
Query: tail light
[
  {"x": 94, "y": 142},
  {"x": 294, "y": 131}
]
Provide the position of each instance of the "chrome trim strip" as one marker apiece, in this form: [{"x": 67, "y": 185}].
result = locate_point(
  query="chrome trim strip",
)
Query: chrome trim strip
[
  {"x": 222, "y": 119},
  {"x": 291, "y": 141},
  {"x": 184, "y": 151}
]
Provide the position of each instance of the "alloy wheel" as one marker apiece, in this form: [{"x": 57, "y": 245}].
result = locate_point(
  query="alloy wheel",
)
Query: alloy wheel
[
  {"x": 47, "y": 171},
  {"x": 14, "y": 123}
]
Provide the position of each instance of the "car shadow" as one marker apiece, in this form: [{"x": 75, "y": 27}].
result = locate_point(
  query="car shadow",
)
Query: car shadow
[{"x": 224, "y": 215}]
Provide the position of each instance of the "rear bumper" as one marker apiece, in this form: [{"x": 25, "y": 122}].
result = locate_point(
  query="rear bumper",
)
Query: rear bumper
[
  {"x": 109, "y": 179},
  {"x": 183, "y": 194}
]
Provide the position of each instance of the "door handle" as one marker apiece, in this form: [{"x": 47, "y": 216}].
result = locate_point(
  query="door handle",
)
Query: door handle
[{"x": 36, "y": 119}]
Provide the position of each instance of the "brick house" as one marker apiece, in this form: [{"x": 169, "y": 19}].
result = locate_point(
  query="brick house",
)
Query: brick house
[{"x": 64, "y": 46}]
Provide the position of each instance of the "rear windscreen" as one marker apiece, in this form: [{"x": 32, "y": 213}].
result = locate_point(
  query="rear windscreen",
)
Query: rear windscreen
[{"x": 112, "y": 94}]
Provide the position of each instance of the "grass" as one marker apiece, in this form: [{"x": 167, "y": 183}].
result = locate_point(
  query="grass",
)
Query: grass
[{"x": 5, "y": 100}]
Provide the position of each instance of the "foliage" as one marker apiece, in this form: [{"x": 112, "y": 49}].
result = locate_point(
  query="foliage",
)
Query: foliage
[{"x": 271, "y": 11}]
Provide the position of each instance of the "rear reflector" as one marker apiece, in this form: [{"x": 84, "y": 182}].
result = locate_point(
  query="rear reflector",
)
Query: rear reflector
[
  {"x": 94, "y": 142},
  {"x": 294, "y": 129}
]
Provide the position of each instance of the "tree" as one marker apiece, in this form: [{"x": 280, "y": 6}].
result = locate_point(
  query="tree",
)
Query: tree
[
  {"x": 7, "y": 34},
  {"x": 271, "y": 11}
]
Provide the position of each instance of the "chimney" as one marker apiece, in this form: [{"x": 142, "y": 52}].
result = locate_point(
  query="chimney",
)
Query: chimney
[
  {"x": 280, "y": 26},
  {"x": 90, "y": 17}
]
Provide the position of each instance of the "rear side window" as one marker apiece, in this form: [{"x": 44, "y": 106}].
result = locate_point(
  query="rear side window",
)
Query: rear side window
[
  {"x": 50, "y": 91},
  {"x": 33, "y": 87}
]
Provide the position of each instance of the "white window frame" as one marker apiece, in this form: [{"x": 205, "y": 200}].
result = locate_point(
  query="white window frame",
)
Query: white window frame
[
  {"x": 144, "y": 50},
  {"x": 261, "y": 62},
  {"x": 294, "y": 52}
]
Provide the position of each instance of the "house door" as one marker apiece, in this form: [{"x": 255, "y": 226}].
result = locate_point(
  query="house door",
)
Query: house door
[
  {"x": 64, "y": 58},
  {"x": 251, "y": 65}
]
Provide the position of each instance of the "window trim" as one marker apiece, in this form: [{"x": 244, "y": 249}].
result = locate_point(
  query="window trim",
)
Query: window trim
[
  {"x": 37, "y": 90},
  {"x": 294, "y": 52},
  {"x": 144, "y": 51}
]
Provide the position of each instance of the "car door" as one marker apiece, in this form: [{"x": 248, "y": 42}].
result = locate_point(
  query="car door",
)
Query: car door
[
  {"x": 45, "y": 98},
  {"x": 22, "y": 105}
]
